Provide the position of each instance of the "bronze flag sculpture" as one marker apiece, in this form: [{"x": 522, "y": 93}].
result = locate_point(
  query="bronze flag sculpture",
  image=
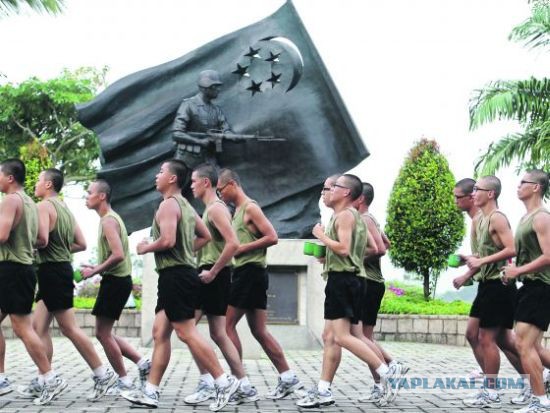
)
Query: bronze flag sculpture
[{"x": 273, "y": 84}]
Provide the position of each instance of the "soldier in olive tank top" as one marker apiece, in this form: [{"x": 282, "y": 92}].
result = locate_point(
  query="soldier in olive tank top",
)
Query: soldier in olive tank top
[
  {"x": 214, "y": 262},
  {"x": 114, "y": 266},
  {"x": 374, "y": 284},
  {"x": 18, "y": 236},
  {"x": 250, "y": 279},
  {"x": 494, "y": 303},
  {"x": 58, "y": 237},
  {"x": 346, "y": 243},
  {"x": 177, "y": 233},
  {"x": 533, "y": 268}
]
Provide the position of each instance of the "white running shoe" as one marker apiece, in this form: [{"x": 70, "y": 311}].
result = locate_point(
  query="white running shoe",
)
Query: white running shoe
[
  {"x": 102, "y": 385},
  {"x": 314, "y": 399},
  {"x": 483, "y": 400},
  {"x": 223, "y": 394},
  {"x": 5, "y": 386},
  {"x": 284, "y": 388},
  {"x": 203, "y": 393},
  {"x": 142, "y": 398},
  {"x": 50, "y": 391},
  {"x": 31, "y": 390}
]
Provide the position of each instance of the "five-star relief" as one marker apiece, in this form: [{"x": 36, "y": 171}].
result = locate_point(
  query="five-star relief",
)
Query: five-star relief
[
  {"x": 274, "y": 79},
  {"x": 255, "y": 87},
  {"x": 253, "y": 53},
  {"x": 273, "y": 57},
  {"x": 241, "y": 71}
]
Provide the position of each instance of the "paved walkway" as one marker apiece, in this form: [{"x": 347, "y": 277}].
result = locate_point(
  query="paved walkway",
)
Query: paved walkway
[{"x": 427, "y": 362}]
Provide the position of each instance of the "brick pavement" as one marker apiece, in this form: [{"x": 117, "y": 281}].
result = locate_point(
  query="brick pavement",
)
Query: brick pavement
[{"x": 181, "y": 377}]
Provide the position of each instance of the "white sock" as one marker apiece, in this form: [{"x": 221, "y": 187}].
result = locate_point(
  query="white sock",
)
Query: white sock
[
  {"x": 41, "y": 379},
  {"x": 323, "y": 386},
  {"x": 100, "y": 371},
  {"x": 378, "y": 386},
  {"x": 126, "y": 380},
  {"x": 382, "y": 370},
  {"x": 392, "y": 363},
  {"x": 2, "y": 376},
  {"x": 208, "y": 379},
  {"x": 245, "y": 384},
  {"x": 287, "y": 376},
  {"x": 151, "y": 388},
  {"x": 222, "y": 381},
  {"x": 544, "y": 400},
  {"x": 142, "y": 363},
  {"x": 49, "y": 376}
]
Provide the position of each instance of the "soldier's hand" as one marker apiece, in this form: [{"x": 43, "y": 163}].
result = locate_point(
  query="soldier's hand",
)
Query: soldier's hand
[{"x": 206, "y": 277}]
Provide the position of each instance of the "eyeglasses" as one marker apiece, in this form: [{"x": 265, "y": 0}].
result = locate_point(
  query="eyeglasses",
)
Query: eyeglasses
[
  {"x": 476, "y": 188},
  {"x": 219, "y": 191},
  {"x": 325, "y": 189},
  {"x": 461, "y": 196},
  {"x": 340, "y": 186},
  {"x": 528, "y": 182}
]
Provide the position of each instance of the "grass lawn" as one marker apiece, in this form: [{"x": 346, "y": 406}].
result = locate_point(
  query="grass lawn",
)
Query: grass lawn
[{"x": 403, "y": 298}]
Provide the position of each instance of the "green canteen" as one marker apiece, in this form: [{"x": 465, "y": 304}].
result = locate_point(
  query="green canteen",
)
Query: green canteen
[
  {"x": 319, "y": 251},
  {"x": 77, "y": 276},
  {"x": 454, "y": 260},
  {"x": 308, "y": 247}
]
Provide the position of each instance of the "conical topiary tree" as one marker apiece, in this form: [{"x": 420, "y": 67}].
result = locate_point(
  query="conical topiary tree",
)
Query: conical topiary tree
[{"x": 423, "y": 222}]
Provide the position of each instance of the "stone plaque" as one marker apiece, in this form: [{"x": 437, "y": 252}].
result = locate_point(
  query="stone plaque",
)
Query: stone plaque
[{"x": 282, "y": 295}]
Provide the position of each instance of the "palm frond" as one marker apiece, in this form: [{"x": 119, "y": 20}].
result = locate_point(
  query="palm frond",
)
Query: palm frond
[
  {"x": 8, "y": 7},
  {"x": 530, "y": 148},
  {"x": 527, "y": 101},
  {"x": 535, "y": 31}
]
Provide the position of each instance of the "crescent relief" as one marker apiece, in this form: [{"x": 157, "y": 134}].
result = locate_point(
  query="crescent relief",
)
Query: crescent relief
[{"x": 295, "y": 57}]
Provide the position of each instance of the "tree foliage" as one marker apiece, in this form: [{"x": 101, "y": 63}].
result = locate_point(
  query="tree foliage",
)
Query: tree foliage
[
  {"x": 8, "y": 7},
  {"x": 527, "y": 101},
  {"x": 423, "y": 222},
  {"x": 42, "y": 113}
]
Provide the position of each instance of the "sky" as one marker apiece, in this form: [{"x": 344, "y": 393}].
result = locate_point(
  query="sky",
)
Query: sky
[{"x": 405, "y": 69}]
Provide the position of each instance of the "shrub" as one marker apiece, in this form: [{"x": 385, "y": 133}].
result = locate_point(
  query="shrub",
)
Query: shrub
[{"x": 423, "y": 223}]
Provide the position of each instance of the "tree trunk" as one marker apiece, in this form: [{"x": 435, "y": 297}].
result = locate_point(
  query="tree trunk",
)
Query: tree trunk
[{"x": 426, "y": 286}]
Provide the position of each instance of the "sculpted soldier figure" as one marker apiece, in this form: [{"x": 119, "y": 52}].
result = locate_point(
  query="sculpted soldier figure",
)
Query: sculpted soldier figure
[{"x": 197, "y": 118}]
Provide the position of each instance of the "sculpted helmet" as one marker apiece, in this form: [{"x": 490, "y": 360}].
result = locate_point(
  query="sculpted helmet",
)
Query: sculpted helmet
[{"x": 208, "y": 78}]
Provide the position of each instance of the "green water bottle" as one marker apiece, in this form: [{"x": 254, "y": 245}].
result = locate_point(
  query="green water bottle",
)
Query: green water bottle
[{"x": 77, "y": 276}]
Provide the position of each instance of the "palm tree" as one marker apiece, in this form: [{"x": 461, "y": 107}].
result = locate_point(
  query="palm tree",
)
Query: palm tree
[
  {"x": 527, "y": 101},
  {"x": 8, "y": 7}
]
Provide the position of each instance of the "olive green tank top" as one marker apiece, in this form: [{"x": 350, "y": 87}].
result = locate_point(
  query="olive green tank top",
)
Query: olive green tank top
[
  {"x": 182, "y": 252},
  {"x": 123, "y": 268},
  {"x": 473, "y": 246},
  {"x": 245, "y": 236},
  {"x": 19, "y": 246},
  {"x": 210, "y": 253},
  {"x": 528, "y": 247},
  {"x": 61, "y": 237},
  {"x": 324, "y": 274},
  {"x": 373, "y": 268},
  {"x": 353, "y": 263},
  {"x": 486, "y": 246}
]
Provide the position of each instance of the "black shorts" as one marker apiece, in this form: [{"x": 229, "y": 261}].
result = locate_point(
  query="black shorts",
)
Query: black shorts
[
  {"x": 17, "y": 288},
  {"x": 532, "y": 304},
  {"x": 112, "y": 296},
  {"x": 178, "y": 292},
  {"x": 372, "y": 298},
  {"x": 494, "y": 304},
  {"x": 55, "y": 285},
  {"x": 213, "y": 297},
  {"x": 343, "y": 296},
  {"x": 249, "y": 285}
]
